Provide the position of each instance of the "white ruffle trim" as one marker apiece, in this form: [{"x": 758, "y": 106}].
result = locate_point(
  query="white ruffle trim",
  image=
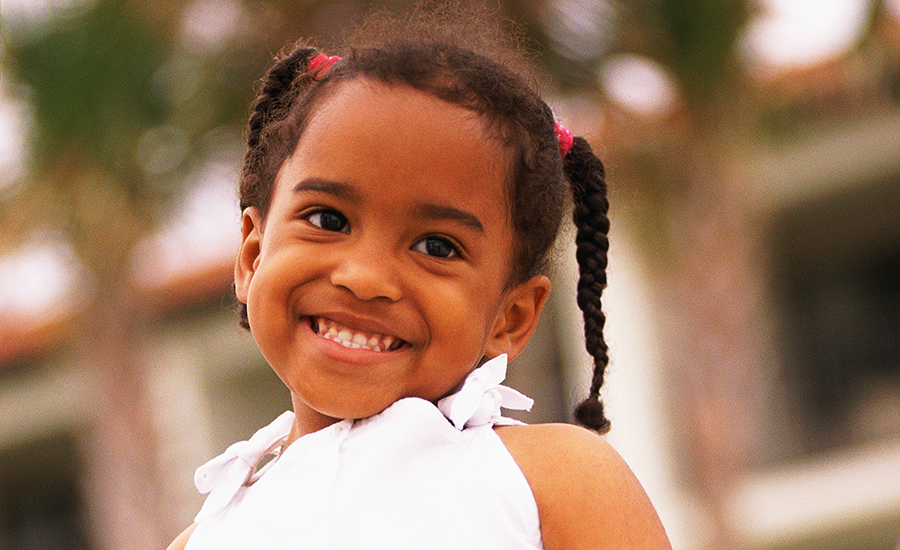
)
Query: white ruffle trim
[
  {"x": 223, "y": 476},
  {"x": 479, "y": 401}
]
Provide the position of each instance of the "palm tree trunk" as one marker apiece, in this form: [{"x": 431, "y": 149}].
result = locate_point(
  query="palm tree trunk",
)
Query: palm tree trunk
[{"x": 121, "y": 444}]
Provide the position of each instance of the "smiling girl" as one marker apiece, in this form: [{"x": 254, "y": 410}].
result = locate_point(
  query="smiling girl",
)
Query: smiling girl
[{"x": 399, "y": 205}]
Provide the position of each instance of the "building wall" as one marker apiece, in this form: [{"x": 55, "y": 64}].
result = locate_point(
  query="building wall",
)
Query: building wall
[{"x": 832, "y": 200}]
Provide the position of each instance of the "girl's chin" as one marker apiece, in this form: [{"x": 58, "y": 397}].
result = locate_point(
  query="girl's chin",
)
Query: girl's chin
[{"x": 336, "y": 412}]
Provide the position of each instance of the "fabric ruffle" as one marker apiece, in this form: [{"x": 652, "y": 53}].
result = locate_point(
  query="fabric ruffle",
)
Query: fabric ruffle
[
  {"x": 223, "y": 476},
  {"x": 481, "y": 397},
  {"x": 477, "y": 403}
]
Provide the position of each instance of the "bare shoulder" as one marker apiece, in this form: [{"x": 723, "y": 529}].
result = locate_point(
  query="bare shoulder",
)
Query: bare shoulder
[
  {"x": 182, "y": 540},
  {"x": 587, "y": 496}
]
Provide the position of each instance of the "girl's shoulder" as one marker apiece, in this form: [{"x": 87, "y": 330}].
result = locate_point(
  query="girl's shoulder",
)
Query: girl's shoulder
[
  {"x": 182, "y": 540},
  {"x": 587, "y": 496}
]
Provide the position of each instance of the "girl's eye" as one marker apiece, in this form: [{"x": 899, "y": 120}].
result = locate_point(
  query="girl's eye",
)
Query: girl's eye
[
  {"x": 329, "y": 220},
  {"x": 437, "y": 247}
]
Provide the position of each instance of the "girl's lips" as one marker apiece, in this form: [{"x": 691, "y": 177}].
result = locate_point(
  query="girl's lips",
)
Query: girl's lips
[{"x": 353, "y": 338}]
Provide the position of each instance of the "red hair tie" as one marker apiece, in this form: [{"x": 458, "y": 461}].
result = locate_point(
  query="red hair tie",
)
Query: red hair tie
[
  {"x": 320, "y": 64},
  {"x": 565, "y": 138}
]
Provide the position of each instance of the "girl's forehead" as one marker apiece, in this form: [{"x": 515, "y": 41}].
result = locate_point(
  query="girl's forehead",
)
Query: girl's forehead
[
  {"x": 407, "y": 109},
  {"x": 366, "y": 129},
  {"x": 403, "y": 105}
]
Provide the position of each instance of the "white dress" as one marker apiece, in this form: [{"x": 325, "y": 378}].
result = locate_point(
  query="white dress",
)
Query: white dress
[{"x": 415, "y": 476}]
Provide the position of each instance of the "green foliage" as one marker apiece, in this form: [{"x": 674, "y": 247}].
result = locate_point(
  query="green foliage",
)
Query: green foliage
[
  {"x": 703, "y": 36},
  {"x": 695, "y": 39},
  {"x": 90, "y": 79}
]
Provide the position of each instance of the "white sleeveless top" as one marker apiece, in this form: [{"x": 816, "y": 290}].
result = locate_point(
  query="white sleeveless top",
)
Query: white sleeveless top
[{"x": 406, "y": 478}]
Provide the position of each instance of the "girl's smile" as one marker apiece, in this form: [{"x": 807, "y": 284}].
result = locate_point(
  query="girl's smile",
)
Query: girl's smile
[
  {"x": 380, "y": 269},
  {"x": 354, "y": 348},
  {"x": 353, "y": 339}
]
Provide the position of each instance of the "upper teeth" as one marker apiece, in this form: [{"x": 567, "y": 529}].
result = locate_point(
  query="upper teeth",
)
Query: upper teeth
[{"x": 354, "y": 339}]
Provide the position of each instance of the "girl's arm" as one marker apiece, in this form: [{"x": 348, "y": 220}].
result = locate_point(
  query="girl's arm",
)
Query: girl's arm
[
  {"x": 587, "y": 496},
  {"x": 182, "y": 540}
]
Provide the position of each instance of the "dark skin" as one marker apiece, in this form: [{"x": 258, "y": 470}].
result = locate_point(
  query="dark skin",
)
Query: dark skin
[
  {"x": 607, "y": 509},
  {"x": 586, "y": 496}
]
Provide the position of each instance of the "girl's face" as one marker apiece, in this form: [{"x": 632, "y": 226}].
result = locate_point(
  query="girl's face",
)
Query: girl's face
[{"x": 379, "y": 271}]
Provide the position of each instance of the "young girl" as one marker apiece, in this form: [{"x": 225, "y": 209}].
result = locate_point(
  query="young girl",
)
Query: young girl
[{"x": 399, "y": 205}]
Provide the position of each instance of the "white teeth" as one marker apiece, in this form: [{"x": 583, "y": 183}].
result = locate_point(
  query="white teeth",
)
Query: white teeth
[{"x": 352, "y": 339}]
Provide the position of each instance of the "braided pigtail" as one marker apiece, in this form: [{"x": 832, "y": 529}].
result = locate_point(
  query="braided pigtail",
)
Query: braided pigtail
[
  {"x": 279, "y": 88},
  {"x": 587, "y": 176},
  {"x": 272, "y": 101}
]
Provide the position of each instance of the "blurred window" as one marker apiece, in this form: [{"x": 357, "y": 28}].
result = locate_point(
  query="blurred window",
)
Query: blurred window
[
  {"x": 40, "y": 500},
  {"x": 837, "y": 277}
]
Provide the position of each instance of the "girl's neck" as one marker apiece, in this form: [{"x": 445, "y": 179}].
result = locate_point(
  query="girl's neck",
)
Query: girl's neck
[{"x": 307, "y": 421}]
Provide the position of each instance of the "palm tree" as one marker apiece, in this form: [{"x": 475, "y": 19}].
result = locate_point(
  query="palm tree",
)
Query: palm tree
[
  {"x": 702, "y": 233},
  {"x": 684, "y": 175},
  {"x": 99, "y": 83}
]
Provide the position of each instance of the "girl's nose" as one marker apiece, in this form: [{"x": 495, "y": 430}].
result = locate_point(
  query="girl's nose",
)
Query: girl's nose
[{"x": 367, "y": 274}]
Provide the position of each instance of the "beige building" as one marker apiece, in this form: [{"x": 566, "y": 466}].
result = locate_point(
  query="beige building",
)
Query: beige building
[{"x": 795, "y": 445}]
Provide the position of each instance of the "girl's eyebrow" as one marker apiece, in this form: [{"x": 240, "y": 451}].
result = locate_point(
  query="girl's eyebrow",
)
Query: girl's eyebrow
[
  {"x": 335, "y": 188},
  {"x": 429, "y": 211},
  {"x": 444, "y": 212}
]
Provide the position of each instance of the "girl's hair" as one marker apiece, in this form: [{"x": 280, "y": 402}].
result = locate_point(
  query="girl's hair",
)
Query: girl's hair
[{"x": 431, "y": 60}]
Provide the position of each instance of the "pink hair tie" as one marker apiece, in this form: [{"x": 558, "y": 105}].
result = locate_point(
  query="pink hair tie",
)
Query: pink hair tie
[
  {"x": 320, "y": 64},
  {"x": 565, "y": 138}
]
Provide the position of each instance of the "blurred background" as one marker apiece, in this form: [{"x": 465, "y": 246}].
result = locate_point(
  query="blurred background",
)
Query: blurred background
[{"x": 753, "y": 151}]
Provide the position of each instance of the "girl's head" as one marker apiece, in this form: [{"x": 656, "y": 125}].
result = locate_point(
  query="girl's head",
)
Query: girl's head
[
  {"x": 514, "y": 114},
  {"x": 533, "y": 178}
]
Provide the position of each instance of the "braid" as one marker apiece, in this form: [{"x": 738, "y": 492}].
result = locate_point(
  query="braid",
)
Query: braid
[
  {"x": 271, "y": 100},
  {"x": 272, "y": 104},
  {"x": 587, "y": 176}
]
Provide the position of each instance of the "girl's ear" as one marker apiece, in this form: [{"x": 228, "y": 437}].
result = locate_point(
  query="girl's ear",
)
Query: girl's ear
[
  {"x": 518, "y": 317},
  {"x": 248, "y": 255}
]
